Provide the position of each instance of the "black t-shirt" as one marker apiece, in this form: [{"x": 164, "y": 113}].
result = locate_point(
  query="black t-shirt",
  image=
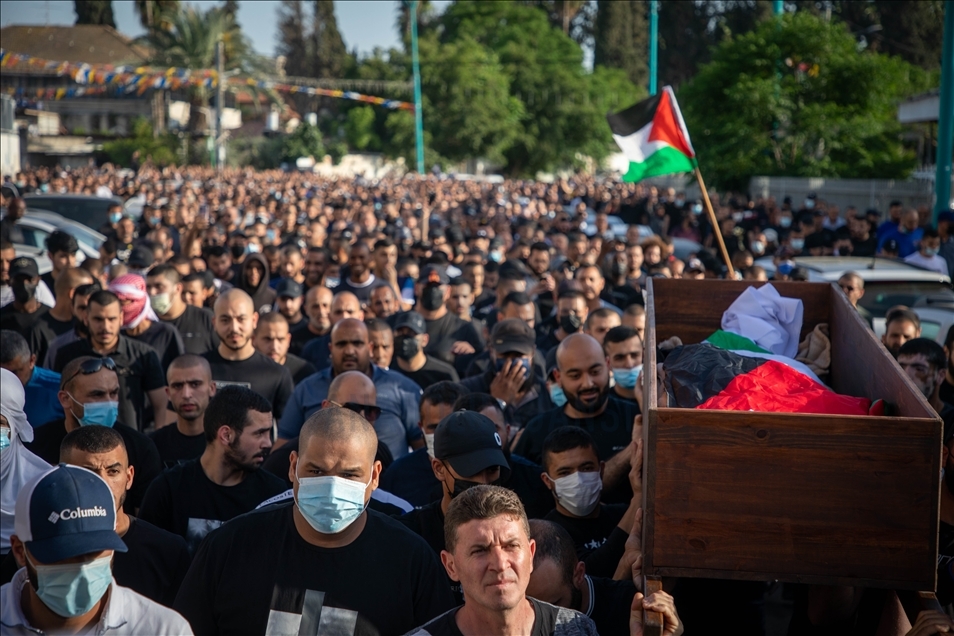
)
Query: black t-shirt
[
  {"x": 445, "y": 331},
  {"x": 257, "y": 575},
  {"x": 165, "y": 339},
  {"x": 18, "y": 321},
  {"x": 300, "y": 336},
  {"x": 298, "y": 324},
  {"x": 622, "y": 296},
  {"x": 299, "y": 368},
  {"x": 363, "y": 292},
  {"x": 610, "y": 603},
  {"x": 612, "y": 430},
  {"x": 945, "y": 563},
  {"x": 196, "y": 329},
  {"x": 45, "y": 331},
  {"x": 427, "y": 522},
  {"x": 868, "y": 247},
  {"x": 155, "y": 563},
  {"x": 175, "y": 447},
  {"x": 138, "y": 368},
  {"x": 143, "y": 455},
  {"x": 258, "y": 372},
  {"x": 317, "y": 351},
  {"x": 432, "y": 372},
  {"x": 599, "y": 542},
  {"x": 524, "y": 479},
  {"x": 184, "y": 501},
  {"x": 412, "y": 479},
  {"x": 548, "y": 620}
]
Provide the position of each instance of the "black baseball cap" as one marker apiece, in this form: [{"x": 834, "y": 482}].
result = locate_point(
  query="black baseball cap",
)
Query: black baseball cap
[
  {"x": 141, "y": 257},
  {"x": 288, "y": 288},
  {"x": 513, "y": 334},
  {"x": 433, "y": 275},
  {"x": 24, "y": 266},
  {"x": 412, "y": 320},
  {"x": 469, "y": 442}
]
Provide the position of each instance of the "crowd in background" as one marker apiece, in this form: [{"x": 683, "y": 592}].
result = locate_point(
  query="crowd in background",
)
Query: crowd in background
[{"x": 488, "y": 334}]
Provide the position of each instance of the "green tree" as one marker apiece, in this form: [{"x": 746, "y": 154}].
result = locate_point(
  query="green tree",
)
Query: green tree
[
  {"x": 149, "y": 11},
  {"x": 426, "y": 20},
  {"x": 292, "y": 41},
  {"x": 359, "y": 128},
  {"x": 685, "y": 40},
  {"x": 329, "y": 57},
  {"x": 559, "y": 117},
  {"x": 621, "y": 37},
  {"x": 470, "y": 111},
  {"x": 189, "y": 40},
  {"x": 304, "y": 141},
  {"x": 94, "y": 12},
  {"x": 828, "y": 110}
]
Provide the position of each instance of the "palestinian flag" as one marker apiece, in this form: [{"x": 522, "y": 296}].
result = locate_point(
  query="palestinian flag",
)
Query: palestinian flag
[
  {"x": 653, "y": 136},
  {"x": 705, "y": 376}
]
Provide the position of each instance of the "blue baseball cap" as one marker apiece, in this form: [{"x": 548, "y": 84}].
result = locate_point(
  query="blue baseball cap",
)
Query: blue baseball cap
[{"x": 65, "y": 512}]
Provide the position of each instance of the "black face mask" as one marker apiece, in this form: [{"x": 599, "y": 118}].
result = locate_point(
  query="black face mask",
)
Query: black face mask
[
  {"x": 23, "y": 291},
  {"x": 571, "y": 323},
  {"x": 237, "y": 251},
  {"x": 617, "y": 269},
  {"x": 432, "y": 298},
  {"x": 406, "y": 347}
]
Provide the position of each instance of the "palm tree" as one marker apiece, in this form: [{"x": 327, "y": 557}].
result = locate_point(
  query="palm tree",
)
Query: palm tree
[
  {"x": 150, "y": 10},
  {"x": 187, "y": 38}
]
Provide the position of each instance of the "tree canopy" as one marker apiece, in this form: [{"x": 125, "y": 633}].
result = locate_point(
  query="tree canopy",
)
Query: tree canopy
[{"x": 799, "y": 98}]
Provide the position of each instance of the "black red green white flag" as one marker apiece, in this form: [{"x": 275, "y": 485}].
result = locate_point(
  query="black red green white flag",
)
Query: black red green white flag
[{"x": 653, "y": 136}]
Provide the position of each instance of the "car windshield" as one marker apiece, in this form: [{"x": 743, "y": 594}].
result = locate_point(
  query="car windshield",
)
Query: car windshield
[
  {"x": 89, "y": 211},
  {"x": 881, "y": 296}
]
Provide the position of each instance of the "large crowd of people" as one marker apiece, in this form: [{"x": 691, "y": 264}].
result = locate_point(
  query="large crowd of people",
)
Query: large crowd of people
[{"x": 278, "y": 403}]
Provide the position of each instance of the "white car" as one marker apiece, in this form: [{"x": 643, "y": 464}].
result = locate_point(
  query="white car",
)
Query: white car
[
  {"x": 35, "y": 232},
  {"x": 936, "y": 314},
  {"x": 888, "y": 282}
]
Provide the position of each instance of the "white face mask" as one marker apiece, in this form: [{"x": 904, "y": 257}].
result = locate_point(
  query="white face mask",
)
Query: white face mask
[
  {"x": 579, "y": 492},
  {"x": 429, "y": 441}
]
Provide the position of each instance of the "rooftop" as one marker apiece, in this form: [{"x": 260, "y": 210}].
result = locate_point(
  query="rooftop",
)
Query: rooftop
[{"x": 81, "y": 43}]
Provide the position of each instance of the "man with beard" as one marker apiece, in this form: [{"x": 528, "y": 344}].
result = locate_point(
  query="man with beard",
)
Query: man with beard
[
  {"x": 196, "y": 497},
  {"x": 509, "y": 376},
  {"x": 316, "y": 259},
  {"x": 468, "y": 452},
  {"x": 189, "y": 387},
  {"x": 317, "y": 308},
  {"x": 925, "y": 363},
  {"x": 397, "y": 396},
  {"x": 236, "y": 361},
  {"x": 272, "y": 339},
  {"x": 26, "y": 309},
  {"x": 318, "y": 350},
  {"x": 583, "y": 374},
  {"x": 410, "y": 341},
  {"x": 901, "y": 325},
  {"x": 79, "y": 306}
]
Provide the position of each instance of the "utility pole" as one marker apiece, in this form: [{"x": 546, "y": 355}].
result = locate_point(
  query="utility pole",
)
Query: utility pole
[
  {"x": 219, "y": 99},
  {"x": 653, "y": 44},
  {"x": 945, "y": 121},
  {"x": 418, "y": 115}
]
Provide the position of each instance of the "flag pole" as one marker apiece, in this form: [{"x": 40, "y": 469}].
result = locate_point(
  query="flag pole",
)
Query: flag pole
[{"x": 715, "y": 223}]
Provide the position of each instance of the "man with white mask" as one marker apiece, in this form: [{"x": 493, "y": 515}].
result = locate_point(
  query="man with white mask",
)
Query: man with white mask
[
  {"x": 574, "y": 473},
  {"x": 321, "y": 561},
  {"x": 17, "y": 464}
]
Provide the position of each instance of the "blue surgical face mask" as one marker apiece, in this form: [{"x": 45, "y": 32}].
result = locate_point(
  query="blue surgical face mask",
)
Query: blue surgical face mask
[
  {"x": 930, "y": 251},
  {"x": 626, "y": 378},
  {"x": 97, "y": 413},
  {"x": 557, "y": 395},
  {"x": 697, "y": 208},
  {"x": 798, "y": 244},
  {"x": 330, "y": 504},
  {"x": 4, "y": 439},
  {"x": 785, "y": 221},
  {"x": 72, "y": 589},
  {"x": 115, "y": 217}
]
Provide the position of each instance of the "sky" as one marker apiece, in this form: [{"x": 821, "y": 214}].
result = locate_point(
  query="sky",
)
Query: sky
[{"x": 364, "y": 24}]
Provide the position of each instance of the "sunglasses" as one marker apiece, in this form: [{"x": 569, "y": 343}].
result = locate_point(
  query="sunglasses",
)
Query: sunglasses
[
  {"x": 93, "y": 365},
  {"x": 366, "y": 411}
]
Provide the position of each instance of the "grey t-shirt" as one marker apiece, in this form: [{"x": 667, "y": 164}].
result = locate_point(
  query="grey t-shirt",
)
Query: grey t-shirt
[{"x": 549, "y": 620}]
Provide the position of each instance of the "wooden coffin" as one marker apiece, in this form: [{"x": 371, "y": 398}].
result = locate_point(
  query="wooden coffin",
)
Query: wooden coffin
[{"x": 833, "y": 500}]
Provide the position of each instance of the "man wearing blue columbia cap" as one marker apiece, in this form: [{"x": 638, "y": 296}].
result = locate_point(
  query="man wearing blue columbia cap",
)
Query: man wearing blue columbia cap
[{"x": 64, "y": 539}]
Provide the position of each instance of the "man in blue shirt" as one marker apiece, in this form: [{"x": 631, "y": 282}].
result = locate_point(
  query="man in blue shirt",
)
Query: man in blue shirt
[
  {"x": 40, "y": 385},
  {"x": 907, "y": 234},
  {"x": 398, "y": 396}
]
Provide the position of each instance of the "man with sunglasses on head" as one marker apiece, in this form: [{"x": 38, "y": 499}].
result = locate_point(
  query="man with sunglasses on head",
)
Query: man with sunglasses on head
[
  {"x": 89, "y": 394},
  {"x": 398, "y": 397},
  {"x": 197, "y": 496}
]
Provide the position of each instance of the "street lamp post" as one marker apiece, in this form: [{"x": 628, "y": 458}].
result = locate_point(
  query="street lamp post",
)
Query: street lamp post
[
  {"x": 418, "y": 115},
  {"x": 653, "y": 44}
]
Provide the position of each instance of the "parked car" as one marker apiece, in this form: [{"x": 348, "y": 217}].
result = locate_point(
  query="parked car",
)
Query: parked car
[
  {"x": 936, "y": 314},
  {"x": 36, "y": 230},
  {"x": 888, "y": 282},
  {"x": 82, "y": 208},
  {"x": 84, "y": 234}
]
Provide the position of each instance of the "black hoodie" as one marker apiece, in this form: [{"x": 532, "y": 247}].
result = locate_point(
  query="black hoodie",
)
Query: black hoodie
[{"x": 262, "y": 295}]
